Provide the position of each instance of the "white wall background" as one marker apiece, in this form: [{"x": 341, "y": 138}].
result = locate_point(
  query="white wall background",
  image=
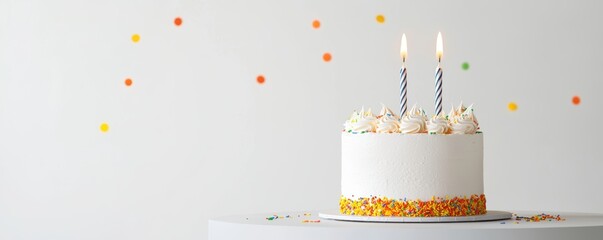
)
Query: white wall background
[{"x": 196, "y": 136}]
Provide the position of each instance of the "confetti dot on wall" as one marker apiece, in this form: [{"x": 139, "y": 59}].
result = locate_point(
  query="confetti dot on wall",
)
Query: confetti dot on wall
[
  {"x": 512, "y": 106},
  {"x": 327, "y": 57},
  {"x": 128, "y": 82},
  {"x": 316, "y": 24},
  {"x": 465, "y": 66},
  {"x": 576, "y": 100},
  {"x": 104, "y": 127},
  {"x": 380, "y": 18},
  {"x": 178, "y": 21},
  {"x": 260, "y": 79},
  {"x": 135, "y": 38}
]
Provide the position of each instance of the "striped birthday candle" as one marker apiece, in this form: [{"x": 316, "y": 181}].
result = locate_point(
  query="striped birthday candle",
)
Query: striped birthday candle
[
  {"x": 438, "y": 75},
  {"x": 438, "y": 90},
  {"x": 403, "y": 54}
]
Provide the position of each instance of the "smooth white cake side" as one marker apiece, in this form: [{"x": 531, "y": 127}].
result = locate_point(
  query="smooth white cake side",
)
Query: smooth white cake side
[{"x": 411, "y": 166}]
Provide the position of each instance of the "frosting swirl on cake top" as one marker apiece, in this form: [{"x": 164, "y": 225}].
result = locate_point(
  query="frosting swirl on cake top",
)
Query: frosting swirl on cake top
[
  {"x": 465, "y": 123},
  {"x": 361, "y": 122},
  {"x": 456, "y": 112},
  {"x": 388, "y": 121},
  {"x": 438, "y": 124},
  {"x": 413, "y": 121},
  {"x": 460, "y": 120}
]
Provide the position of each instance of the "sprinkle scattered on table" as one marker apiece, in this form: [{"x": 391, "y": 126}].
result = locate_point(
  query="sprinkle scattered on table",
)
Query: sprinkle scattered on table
[
  {"x": 275, "y": 217},
  {"x": 540, "y": 218}
]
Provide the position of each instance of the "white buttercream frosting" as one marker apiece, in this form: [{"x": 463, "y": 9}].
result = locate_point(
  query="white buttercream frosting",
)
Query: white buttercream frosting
[
  {"x": 347, "y": 126},
  {"x": 413, "y": 121},
  {"x": 460, "y": 120},
  {"x": 411, "y": 166},
  {"x": 361, "y": 122},
  {"x": 388, "y": 121},
  {"x": 438, "y": 124},
  {"x": 454, "y": 112},
  {"x": 465, "y": 122}
]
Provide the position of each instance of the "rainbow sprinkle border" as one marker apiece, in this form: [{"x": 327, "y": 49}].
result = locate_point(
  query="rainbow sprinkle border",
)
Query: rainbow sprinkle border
[{"x": 436, "y": 207}]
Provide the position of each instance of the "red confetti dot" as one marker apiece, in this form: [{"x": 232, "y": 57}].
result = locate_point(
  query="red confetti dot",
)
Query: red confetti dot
[
  {"x": 576, "y": 100},
  {"x": 261, "y": 79},
  {"x": 178, "y": 21},
  {"x": 128, "y": 82},
  {"x": 327, "y": 57},
  {"x": 316, "y": 24}
]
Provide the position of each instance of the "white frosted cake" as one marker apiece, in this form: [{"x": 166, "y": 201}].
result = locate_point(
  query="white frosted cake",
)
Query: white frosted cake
[{"x": 412, "y": 166}]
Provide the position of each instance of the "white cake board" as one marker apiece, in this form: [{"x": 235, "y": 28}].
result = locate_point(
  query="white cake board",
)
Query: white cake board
[{"x": 489, "y": 216}]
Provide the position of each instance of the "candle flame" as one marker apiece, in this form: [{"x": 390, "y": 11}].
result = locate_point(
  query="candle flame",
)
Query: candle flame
[
  {"x": 439, "y": 47},
  {"x": 403, "y": 48}
]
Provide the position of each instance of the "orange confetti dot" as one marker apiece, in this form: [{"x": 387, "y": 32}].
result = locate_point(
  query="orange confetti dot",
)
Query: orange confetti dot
[
  {"x": 135, "y": 38},
  {"x": 178, "y": 21},
  {"x": 128, "y": 82},
  {"x": 327, "y": 57},
  {"x": 261, "y": 79},
  {"x": 380, "y": 18},
  {"x": 576, "y": 100},
  {"x": 316, "y": 24}
]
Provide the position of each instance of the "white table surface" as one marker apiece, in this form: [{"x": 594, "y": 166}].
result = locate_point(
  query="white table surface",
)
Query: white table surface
[{"x": 295, "y": 225}]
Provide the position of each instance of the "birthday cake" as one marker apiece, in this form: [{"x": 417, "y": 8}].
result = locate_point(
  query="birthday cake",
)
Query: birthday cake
[{"x": 412, "y": 166}]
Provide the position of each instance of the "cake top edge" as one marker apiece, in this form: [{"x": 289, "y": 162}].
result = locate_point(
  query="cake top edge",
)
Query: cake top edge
[{"x": 460, "y": 120}]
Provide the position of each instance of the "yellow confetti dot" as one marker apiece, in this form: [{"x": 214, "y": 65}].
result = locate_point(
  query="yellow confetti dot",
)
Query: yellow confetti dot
[
  {"x": 135, "y": 38},
  {"x": 512, "y": 106},
  {"x": 380, "y": 18},
  {"x": 104, "y": 127}
]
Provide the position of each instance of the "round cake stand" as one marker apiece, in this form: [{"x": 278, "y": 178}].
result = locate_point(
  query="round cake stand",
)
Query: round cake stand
[
  {"x": 308, "y": 225},
  {"x": 489, "y": 216}
]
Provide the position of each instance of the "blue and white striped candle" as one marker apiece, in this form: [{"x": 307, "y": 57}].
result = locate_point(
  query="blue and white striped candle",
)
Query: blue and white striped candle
[
  {"x": 438, "y": 90},
  {"x": 438, "y": 75},
  {"x": 403, "y": 54}
]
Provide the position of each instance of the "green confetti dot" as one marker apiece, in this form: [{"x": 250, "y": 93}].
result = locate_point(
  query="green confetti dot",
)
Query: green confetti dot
[{"x": 465, "y": 66}]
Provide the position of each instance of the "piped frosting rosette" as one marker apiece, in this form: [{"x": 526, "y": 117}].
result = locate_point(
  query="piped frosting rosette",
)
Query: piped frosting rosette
[
  {"x": 413, "y": 121},
  {"x": 460, "y": 120},
  {"x": 361, "y": 122},
  {"x": 438, "y": 124},
  {"x": 387, "y": 122},
  {"x": 456, "y": 112},
  {"x": 464, "y": 122}
]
